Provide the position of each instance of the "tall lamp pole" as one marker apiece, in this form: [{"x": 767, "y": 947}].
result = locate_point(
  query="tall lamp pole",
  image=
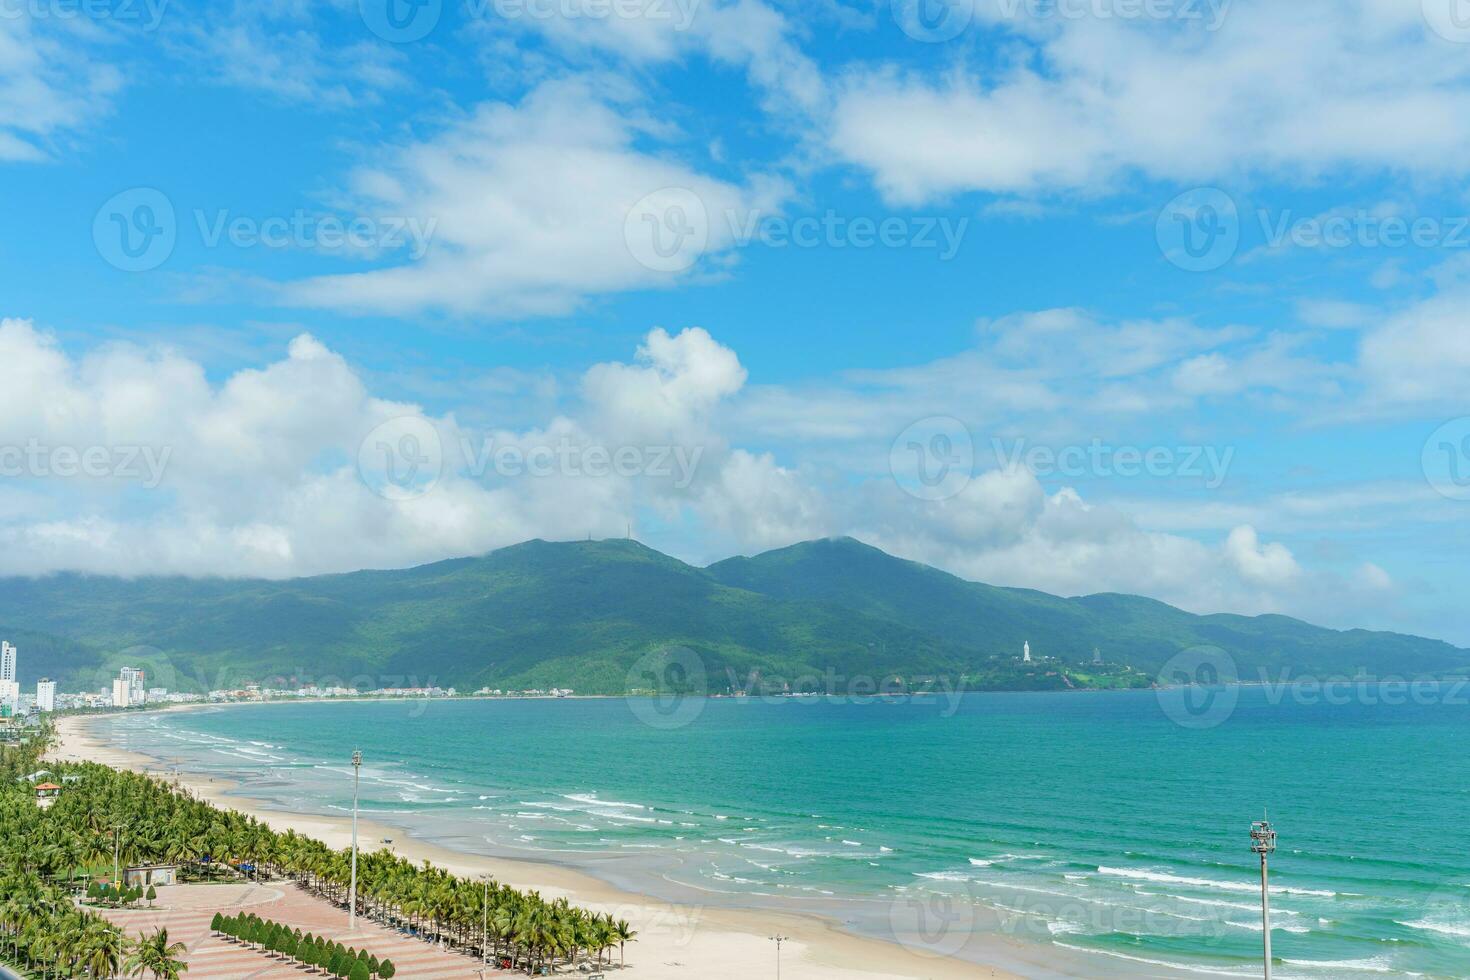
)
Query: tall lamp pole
[
  {"x": 778, "y": 940},
  {"x": 352, "y": 890},
  {"x": 1263, "y": 842},
  {"x": 485, "y": 921},
  {"x": 117, "y": 829}
]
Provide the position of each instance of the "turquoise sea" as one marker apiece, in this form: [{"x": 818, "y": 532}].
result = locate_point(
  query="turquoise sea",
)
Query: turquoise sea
[{"x": 1087, "y": 826}]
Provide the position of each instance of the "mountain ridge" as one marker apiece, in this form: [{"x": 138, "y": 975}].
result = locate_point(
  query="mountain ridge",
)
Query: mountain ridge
[{"x": 581, "y": 614}]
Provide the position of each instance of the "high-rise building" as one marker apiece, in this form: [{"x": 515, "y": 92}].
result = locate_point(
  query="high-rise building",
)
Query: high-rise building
[
  {"x": 1096, "y": 655},
  {"x": 132, "y": 677},
  {"x": 9, "y": 695},
  {"x": 120, "y": 694},
  {"x": 45, "y": 694},
  {"x": 7, "y": 661},
  {"x": 1026, "y": 651}
]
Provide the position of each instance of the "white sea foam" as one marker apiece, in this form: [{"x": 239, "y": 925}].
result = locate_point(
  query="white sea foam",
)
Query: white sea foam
[
  {"x": 1185, "y": 967},
  {"x": 592, "y": 800},
  {"x": 1444, "y": 928},
  {"x": 1375, "y": 965},
  {"x": 1230, "y": 886}
]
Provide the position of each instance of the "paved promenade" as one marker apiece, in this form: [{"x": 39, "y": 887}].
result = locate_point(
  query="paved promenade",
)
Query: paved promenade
[{"x": 186, "y": 910}]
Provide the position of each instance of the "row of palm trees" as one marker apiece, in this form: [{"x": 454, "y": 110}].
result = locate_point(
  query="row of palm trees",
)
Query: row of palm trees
[
  {"x": 105, "y": 813},
  {"x": 42, "y": 929}
]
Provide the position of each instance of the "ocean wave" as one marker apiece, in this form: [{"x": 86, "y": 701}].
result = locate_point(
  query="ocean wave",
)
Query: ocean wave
[
  {"x": 1444, "y": 928},
  {"x": 1183, "y": 967},
  {"x": 591, "y": 799},
  {"x": 1375, "y": 965},
  {"x": 1229, "y": 886}
]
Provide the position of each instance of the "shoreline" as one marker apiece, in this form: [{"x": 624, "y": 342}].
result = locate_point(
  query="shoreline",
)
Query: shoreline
[{"x": 674, "y": 940}]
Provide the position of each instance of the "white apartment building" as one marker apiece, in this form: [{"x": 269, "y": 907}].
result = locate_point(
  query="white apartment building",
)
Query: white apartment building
[
  {"x": 45, "y": 694},
  {"x": 7, "y": 661}
]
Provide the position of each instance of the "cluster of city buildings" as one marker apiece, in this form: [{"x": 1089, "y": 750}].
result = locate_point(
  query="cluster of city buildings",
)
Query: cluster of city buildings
[
  {"x": 13, "y": 702},
  {"x": 129, "y": 690}
]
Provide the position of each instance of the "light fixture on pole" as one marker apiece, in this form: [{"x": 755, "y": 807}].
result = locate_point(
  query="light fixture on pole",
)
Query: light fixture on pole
[
  {"x": 352, "y": 890},
  {"x": 778, "y": 940},
  {"x": 485, "y": 921},
  {"x": 1263, "y": 842}
]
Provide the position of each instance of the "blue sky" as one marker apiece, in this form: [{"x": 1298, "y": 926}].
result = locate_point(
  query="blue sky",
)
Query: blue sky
[{"x": 814, "y": 268}]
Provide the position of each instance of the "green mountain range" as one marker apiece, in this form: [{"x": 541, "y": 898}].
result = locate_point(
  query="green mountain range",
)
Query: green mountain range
[{"x": 607, "y": 616}]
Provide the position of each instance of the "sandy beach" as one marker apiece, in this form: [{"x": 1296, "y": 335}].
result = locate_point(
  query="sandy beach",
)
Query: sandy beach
[{"x": 673, "y": 940}]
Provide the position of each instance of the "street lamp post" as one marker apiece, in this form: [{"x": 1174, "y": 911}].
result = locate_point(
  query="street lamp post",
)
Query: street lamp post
[
  {"x": 352, "y": 890},
  {"x": 116, "y": 842},
  {"x": 485, "y": 922},
  {"x": 1263, "y": 842},
  {"x": 778, "y": 940}
]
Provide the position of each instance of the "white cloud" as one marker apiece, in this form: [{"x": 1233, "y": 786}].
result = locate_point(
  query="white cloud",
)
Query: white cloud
[
  {"x": 1278, "y": 89},
  {"x": 530, "y": 209},
  {"x": 50, "y": 84},
  {"x": 262, "y": 478},
  {"x": 745, "y": 34},
  {"x": 1421, "y": 354},
  {"x": 1269, "y": 565},
  {"x": 291, "y": 63},
  {"x": 259, "y": 472}
]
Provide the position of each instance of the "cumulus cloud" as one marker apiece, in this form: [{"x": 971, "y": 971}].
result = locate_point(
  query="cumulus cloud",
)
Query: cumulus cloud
[
  {"x": 533, "y": 208},
  {"x": 1277, "y": 89},
  {"x": 274, "y": 471}
]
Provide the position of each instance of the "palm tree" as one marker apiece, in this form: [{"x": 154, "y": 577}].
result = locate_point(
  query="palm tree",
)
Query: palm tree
[
  {"x": 625, "y": 934},
  {"x": 155, "y": 954},
  {"x": 102, "y": 948}
]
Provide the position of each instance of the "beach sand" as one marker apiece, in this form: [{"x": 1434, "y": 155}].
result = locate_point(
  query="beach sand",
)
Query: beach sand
[{"x": 681, "y": 941}]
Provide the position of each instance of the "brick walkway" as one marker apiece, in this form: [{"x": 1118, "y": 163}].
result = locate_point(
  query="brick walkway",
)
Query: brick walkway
[{"x": 186, "y": 910}]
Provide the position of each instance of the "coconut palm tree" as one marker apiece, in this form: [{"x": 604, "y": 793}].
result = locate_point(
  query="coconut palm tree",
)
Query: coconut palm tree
[{"x": 156, "y": 955}]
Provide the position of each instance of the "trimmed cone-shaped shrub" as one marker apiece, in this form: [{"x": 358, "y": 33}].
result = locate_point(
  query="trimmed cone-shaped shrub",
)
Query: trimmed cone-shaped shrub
[
  {"x": 359, "y": 971},
  {"x": 385, "y": 970}
]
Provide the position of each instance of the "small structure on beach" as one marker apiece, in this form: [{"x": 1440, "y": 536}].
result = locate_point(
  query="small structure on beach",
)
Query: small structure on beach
[
  {"x": 46, "y": 794},
  {"x": 143, "y": 875}
]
